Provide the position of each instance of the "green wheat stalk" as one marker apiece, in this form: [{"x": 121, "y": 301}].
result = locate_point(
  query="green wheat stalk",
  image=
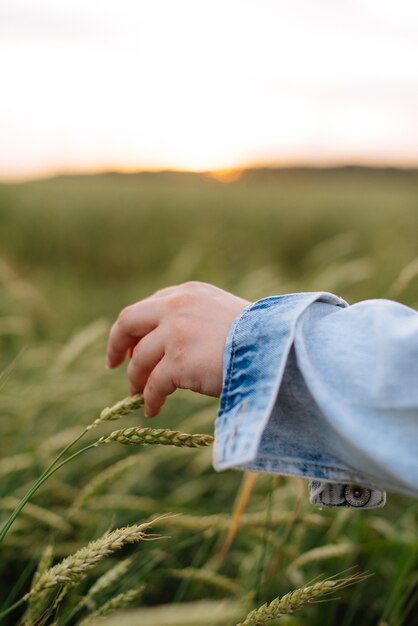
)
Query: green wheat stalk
[{"x": 123, "y": 407}]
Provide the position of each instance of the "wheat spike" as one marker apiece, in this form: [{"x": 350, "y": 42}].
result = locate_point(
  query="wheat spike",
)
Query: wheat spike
[
  {"x": 36, "y": 602},
  {"x": 75, "y": 567},
  {"x": 116, "y": 411},
  {"x": 154, "y": 436},
  {"x": 106, "y": 581},
  {"x": 294, "y": 600},
  {"x": 60, "y": 597},
  {"x": 118, "y": 602}
]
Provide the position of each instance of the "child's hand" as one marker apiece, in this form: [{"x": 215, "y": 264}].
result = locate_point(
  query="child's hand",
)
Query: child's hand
[{"x": 176, "y": 339}]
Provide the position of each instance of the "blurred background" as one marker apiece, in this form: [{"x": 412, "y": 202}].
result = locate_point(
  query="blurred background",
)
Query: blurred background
[
  {"x": 144, "y": 143},
  {"x": 268, "y": 146}
]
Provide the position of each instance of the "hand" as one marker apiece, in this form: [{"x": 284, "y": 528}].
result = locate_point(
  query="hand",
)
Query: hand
[{"x": 176, "y": 340}]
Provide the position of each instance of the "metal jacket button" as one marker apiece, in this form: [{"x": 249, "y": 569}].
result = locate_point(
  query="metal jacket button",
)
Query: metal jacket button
[{"x": 357, "y": 496}]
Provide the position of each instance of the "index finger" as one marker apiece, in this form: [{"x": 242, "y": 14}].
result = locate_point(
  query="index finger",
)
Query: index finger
[{"x": 134, "y": 322}]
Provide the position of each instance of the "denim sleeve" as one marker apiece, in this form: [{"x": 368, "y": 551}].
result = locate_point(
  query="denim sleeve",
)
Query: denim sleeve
[{"x": 319, "y": 389}]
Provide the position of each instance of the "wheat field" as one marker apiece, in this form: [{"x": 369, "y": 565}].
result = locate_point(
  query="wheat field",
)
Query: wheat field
[{"x": 151, "y": 534}]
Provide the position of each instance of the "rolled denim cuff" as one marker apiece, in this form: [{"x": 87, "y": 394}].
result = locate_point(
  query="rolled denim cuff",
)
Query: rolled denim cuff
[
  {"x": 268, "y": 421},
  {"x": 256, "y": 354}
]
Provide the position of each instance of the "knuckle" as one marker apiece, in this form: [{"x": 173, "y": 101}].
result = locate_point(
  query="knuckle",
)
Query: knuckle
[
  {"x": 192, "y": 285},
  {"x": 178, "y": 354},
  {"x": 123, "y": 314},
  {"x": 186, "y": 293},
  {"x": 164, "y": 290},
  {"x": 180, "y": 301}
]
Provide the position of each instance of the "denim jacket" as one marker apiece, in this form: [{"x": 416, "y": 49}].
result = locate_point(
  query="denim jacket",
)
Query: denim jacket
[{"x": 319, "y": 389}]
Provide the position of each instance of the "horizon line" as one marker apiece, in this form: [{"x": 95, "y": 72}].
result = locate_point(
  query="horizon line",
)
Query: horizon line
[{"x": 225, "y": 174}]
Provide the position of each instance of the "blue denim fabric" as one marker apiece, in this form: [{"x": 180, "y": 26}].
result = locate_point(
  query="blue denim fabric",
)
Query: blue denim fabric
[{"x": 319, "y": 389}]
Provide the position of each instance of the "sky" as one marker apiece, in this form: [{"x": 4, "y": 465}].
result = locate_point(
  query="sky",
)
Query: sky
[{"x": 87, "y": 85}]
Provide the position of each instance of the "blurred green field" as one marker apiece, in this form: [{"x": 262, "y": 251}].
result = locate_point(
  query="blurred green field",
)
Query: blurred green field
[
  {"x": 73, "y": 251},
  {"x": 121, "y": 236}
]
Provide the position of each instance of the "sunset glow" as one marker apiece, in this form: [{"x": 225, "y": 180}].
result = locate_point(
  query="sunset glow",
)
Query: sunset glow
[{"x": 90, "y": 85}]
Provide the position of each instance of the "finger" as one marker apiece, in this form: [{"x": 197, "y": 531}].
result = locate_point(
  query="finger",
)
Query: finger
[
  {"x": 159, "y": 386},
  {"x": 133, "y": 323},
  {"x": 166, "y": 291},
  {"x": 147, "y": 353}
]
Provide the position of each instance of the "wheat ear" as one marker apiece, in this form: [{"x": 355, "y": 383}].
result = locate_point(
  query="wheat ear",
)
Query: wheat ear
[
  {"x": 36, "y": 601},
  {"x": 118, "y": 602},
  {"x": 76, "y": 566},
  {"x": 127, "y": 405},
  {"x": 116, "y": 411},
  {"x": 154, "y": 436},
  {"x": 296, "y": 599},
  {"x": 105, "y": 581}
]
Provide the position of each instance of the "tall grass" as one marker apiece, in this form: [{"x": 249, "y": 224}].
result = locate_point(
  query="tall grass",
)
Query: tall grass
[{"x": 74, "y": 251}]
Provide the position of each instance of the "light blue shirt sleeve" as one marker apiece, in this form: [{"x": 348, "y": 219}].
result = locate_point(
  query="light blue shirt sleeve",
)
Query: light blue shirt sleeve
[{"x": 319, "y": 389}]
